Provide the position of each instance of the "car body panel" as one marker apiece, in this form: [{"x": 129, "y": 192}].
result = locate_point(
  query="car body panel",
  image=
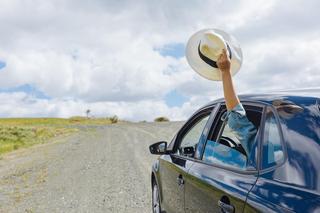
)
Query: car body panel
[
  {"x": 172, "y": 194},
  {"x": 206, "y": 185},
  {"x": 269, "y": 195}
]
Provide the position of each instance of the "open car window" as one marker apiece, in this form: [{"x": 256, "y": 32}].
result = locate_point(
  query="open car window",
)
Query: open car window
[{"x": 225, "y": 148}]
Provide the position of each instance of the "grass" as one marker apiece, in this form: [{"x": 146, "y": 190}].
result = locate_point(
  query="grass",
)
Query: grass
[
  {"x": 54, "y": 121},
  {"x": 16, "y": 133}
]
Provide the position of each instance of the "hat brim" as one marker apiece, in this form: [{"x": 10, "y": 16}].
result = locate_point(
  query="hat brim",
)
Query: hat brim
[{"x": 204, "y": 69}]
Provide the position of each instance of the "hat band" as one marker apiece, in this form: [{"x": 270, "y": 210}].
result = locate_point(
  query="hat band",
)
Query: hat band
[{"x": 209, "y": 61}]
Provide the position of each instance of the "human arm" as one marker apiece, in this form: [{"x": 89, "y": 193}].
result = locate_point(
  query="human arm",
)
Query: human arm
[
  {"x": 230, "y": 95},
  {"x": 244, "y": 130},
  {"x": 238, "y": 122}
]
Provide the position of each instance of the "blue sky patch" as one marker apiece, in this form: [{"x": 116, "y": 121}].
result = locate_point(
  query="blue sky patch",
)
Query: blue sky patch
[
  {"x": 176, "y": 50},
  {"x": 27, "y": 88},
  {"x": 175, "y": 99},
  {"x": 2, "y": 65}
]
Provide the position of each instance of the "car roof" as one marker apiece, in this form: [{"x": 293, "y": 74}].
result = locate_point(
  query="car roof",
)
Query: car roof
[{"x": 298, "y": 97}]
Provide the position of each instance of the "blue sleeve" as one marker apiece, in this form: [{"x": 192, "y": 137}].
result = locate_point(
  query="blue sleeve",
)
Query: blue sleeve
[{"x": 243, "y": 129}]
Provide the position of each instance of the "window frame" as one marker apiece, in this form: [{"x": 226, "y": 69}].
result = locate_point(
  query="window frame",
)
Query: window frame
[
  {"x": 212, "y": 110},
  {"x": 214, "y": 125},
  {"x": 211, "y": 124},
  {"x": 282, "y": 141}
]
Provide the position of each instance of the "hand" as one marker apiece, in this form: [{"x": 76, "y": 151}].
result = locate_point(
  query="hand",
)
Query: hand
[{"x": 223, "y": 62}]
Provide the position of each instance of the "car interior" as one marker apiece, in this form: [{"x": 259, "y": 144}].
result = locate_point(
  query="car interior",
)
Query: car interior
[{"x": 254, "y": 115}]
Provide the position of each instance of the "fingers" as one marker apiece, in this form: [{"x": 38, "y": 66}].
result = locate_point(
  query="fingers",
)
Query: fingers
[
  {"x": 224, "y": 52},
  {"x": 223, "y": 61},
  {"x": 223, "y": 55}
]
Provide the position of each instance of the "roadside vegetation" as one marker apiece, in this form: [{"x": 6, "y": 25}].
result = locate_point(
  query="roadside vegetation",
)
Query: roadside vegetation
[
  {"x": 114, "y": 119},
  {"x": 16, "y": 133},
  {"x": 161, "y": 119}
]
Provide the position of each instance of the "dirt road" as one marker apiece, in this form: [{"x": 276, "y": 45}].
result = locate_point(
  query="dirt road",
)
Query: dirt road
[{"x": 104, "y": 169}]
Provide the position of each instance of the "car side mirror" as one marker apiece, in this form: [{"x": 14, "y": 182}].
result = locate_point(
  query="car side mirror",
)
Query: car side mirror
[{"x": 158, "y": 148}]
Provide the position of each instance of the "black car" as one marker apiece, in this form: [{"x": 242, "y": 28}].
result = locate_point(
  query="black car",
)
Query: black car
[{"x": 205, "y": 168}]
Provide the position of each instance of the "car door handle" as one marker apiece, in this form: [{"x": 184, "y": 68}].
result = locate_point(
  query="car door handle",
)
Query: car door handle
[
  {"x": 227, "y": 208},
  {"x": 180, "y": 180}
]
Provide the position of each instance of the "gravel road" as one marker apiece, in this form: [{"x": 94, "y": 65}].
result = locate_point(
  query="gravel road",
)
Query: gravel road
[{"x": 104, "y": 169}]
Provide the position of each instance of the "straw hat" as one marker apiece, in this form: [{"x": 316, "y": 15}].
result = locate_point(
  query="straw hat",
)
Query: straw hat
[{"x": 204, "y": 48}]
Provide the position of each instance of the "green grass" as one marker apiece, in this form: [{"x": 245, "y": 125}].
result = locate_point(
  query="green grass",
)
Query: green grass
[{"x": 16, "y": 133}]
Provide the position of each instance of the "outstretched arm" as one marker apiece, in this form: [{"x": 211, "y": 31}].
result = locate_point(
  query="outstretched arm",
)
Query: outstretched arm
[
  {"x": 230, "y": 95},
  {"x": 238, "y": 122}
]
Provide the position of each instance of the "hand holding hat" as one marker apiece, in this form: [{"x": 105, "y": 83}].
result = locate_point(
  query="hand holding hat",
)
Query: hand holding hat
[
  {"x": 223, "y": 62},
  {"x": 204, "y": 49}
]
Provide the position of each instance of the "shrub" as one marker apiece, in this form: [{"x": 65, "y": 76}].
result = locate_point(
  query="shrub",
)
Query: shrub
[
  {"x": 161, "y": 119},
  {"x": 114, "y": 119}
]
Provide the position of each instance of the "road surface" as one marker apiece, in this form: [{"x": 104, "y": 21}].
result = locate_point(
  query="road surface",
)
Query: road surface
[{"x": 104, "y": 169}]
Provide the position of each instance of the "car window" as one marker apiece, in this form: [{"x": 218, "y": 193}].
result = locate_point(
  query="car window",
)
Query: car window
[
  {"x": 227, "y": 151},
  {"x": 225, "y": 147},
  {"x": 191, "y": 138},
  {"x": 272, "y": 148}
]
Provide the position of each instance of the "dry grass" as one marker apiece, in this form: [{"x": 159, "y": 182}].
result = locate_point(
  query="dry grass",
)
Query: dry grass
[
  {"x": 54, "y": 121},
  {"x": 24, "y": 132},
  {"x": 15, "y": 137}
]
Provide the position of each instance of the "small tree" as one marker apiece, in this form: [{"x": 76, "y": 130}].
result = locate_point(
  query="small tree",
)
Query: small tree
[{"x": 88, "y": 112}]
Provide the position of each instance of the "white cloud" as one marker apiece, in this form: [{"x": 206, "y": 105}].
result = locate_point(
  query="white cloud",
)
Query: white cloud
[
  {"x": 281, "y": 63},
  {"x": 20, "y": 104},
  {"x": 102, "y": 54}
]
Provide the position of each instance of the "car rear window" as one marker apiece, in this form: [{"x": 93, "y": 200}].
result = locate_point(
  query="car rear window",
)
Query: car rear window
[
  {"x": 305, "y": 121},
  {"x": 301, "y": 129}
]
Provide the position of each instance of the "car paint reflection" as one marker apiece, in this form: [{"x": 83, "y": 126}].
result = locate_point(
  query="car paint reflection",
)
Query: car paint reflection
[{"x": 295, "y": 185}]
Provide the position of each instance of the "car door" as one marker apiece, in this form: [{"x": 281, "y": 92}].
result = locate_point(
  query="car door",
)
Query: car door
[
  {"x": 289, "y": 164},
  {"x": 173, "y": 167},
  {"x": 268, "y": 195},
  {"x": 221, "y": 180}
]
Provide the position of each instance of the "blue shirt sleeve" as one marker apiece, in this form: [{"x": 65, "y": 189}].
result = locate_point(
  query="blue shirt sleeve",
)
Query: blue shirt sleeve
[{"x": 243, "y": 129}]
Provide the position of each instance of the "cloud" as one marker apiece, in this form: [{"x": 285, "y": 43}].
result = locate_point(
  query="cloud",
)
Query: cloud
[
  {"x": 25, "y": 105},
  {"x": 281, "y": 63},
  {"x": 113, "y": 57}
]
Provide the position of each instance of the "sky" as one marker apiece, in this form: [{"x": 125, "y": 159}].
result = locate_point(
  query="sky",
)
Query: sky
[{"x": 59, "y": 58}]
